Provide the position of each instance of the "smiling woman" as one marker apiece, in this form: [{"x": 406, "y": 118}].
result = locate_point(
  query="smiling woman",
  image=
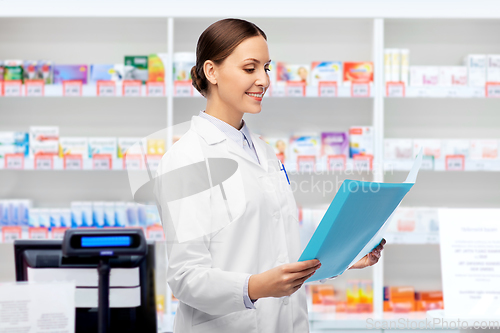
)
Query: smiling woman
[{"x": 233, "y": 249}]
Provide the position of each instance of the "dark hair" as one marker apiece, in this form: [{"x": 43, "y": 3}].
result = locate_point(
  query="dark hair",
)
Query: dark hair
[{"x": 216, "y": 43}]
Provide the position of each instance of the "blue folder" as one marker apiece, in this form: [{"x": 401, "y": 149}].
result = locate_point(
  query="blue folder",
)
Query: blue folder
[{"x": 354, "y": 223}]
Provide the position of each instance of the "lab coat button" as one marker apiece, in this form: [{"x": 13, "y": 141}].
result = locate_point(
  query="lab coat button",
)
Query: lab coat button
[{"x": 285, "y": 300}]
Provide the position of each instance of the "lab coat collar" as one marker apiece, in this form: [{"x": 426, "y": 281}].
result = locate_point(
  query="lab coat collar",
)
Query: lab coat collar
[{"x": 212, "y": 135}]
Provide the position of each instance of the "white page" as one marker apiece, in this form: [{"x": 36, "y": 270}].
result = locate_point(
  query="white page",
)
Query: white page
[
  {"x": 377, "y": 238},
  {"x": 37, "y": 308},
  {"x": 470, "y": 262}
]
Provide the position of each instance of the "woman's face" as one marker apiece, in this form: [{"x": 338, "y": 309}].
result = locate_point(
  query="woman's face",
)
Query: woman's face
[{"x": 242, "y": 77}]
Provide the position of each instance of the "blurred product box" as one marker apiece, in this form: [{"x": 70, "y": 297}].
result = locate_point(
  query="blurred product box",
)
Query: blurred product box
[
  {"x": 430, "y": 147},
  {"x": 452, "y": 76},
  {"x": 14, "y": 143},
  {"x": 421, "y": 76},
  {"x": 361, "y": 140},
  {"x": 455, "y": 147},
  {"x": 70, "y": 73},
  {"x": 358, "y": 72},
  {"x": 330, "y": 71},
  {"x": 280, "y": 146},
  {"x": 483, "y": 149},
  {"x": 103, "y": 146},
  {"x": 140, "y": 65},
  {"x": 476, "y": 68},
  {"x": 293, "y": 72},
  {"x": 304, "y": 152},
  {"x": 14, "y": 212},
  {"x": 334, "y": 143},
  {"x": 398, "y": 149},
  {"x": 493, "y": 68},
  {"x": 74, "y": 146},
  {"x": 44, "y": 140},
  {"x": 13, "y": 70},
  {"x": 156, "y": 67},
  {"x": 183, "y": 63}
]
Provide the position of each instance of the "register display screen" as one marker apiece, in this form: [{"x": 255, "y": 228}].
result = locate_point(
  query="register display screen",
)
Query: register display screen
[{"x": 105, "y": 241}]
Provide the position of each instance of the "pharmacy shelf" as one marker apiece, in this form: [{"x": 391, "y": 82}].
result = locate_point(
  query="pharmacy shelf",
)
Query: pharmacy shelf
[
  {"x": 366, "y": 321},
  {"x": 412, "y": 238},
  {"x": 441, "y": 92},
  {"x": 492, "y": 165},
  {"x": 117, "y": 90}
]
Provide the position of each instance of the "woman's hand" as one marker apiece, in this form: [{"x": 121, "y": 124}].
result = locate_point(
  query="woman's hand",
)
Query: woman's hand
[
  {"x": 371, "y": 258},
  {"x": 281, "y": 281}
]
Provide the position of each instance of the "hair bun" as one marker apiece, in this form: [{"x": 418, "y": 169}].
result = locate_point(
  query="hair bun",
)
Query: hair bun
[{"x": 196, "y": 81}]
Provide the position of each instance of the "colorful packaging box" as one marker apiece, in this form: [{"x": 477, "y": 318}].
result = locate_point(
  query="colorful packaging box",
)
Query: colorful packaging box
[
  {"x": 183, "y": 63},
  {"x": 100, "y": 72},
  {"x": 361, "y": 140},
  {"x": 295, "y": 73},
  {"x": 140, "y": 64},
  {"x": 493, "y": 68},
  {"x": 398, "y": 149},
  {"x": 44, "y": 140},
  {"x": 156, "y": 67},
  {"x": 358, "y": 72},
  {"x": 103, "y": 146},
  {"x": 14, "y": 143},
  {"x": 334, "y": 143},
  {"x": 424, "y": 76},
  {"x": 156, "y": 146},
  {"x": 452, "y": 76},
  {"x": 70, "y": 73},
  {"x": 476, "y": 67},
  {"x": 387, "y": 65},
  {"x": 2, "y": 70},
  {"x": 280, "y": 146},
  {"x": 98, "y": 214},
  {"x": 125, "y": 144},
  {"x": 74, "y": 146},
  {"x": 109, "y": 214},
  {"x": 13, "y": 70},
  {"x": 30, "y": 69},
  {"x": 330, "y": 71},
  {"x": 304, "y": 152},
  {"x": 45, "y": 71}
]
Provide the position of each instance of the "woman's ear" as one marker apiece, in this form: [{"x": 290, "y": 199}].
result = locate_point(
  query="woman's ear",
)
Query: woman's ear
[{"x": 209, "y": 69}]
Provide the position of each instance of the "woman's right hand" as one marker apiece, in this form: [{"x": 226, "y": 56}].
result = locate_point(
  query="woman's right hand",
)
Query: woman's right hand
[{"x": 282, "y": 280}]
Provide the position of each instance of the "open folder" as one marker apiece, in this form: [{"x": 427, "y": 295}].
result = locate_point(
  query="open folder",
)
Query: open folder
[{"x": 355, "y": 222}]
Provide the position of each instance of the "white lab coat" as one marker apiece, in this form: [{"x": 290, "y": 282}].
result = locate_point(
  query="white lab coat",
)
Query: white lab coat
[{"x": 207, "y": 274}]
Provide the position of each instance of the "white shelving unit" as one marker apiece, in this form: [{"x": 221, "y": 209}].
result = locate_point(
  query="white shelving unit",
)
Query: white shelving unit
[{"x": 336, "y": 30}]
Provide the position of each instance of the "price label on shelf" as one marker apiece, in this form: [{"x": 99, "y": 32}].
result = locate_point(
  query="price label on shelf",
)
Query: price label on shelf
[
  {"x": 336, "y": 162},
  {"x": 35, "y": 88},
  {"x": 12, "y": 88},
  {"x": 455, "y": 162},
  {"x": 493, "y": 89},
  {"x": 363, "y": 162},
  {"x": 132, "y": 162},
  {"x": 14, "y": 161},
  {"x": 72, "y": 88},
  {"x": 58, "y": 232},
  {"x": 327, "y": 89},
  {"x": 183, "y": 88},
  {"x": 395, "y": 89},
  {"x": 477, "y": 92},
  {"x": 155, "y": 232},
  {"x": 73, "y": 162},
  {"x": 153, "y": 162},
  {"x": 306, "y": 163},
  {"x": 295, "y": 89},
  {"x": 101, "y": 162},
  {"x": 132, "y": 88},
  {"x": 360, "y": 89},
  {"x": 422, "y": 92},
  {"x": 106, "y": 88},
  {"x": 432, "y": 239},
  {"x": 38, "y": 233},
  {"x": 44, "y": 162},
  {"x": 10, "y": 234},
  {"x": 155, "y": 89},
  {"x": 452, "y": 92}
]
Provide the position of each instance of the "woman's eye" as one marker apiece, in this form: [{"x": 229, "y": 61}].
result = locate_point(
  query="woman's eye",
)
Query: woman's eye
[{"x": 250, "y": 70}]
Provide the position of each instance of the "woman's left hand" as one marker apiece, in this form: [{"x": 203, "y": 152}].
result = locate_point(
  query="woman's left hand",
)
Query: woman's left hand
[{"x": 371, "y": 258}]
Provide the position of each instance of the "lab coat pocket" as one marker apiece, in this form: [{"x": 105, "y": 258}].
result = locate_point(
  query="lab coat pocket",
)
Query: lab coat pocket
[{"x": 240, "y": 321}]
